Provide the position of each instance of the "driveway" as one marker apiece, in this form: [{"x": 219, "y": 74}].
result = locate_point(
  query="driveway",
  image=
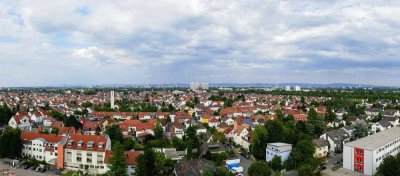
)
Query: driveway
[
  {"x": 332, "y": 159},
  {"x": 244, "y": 162}
]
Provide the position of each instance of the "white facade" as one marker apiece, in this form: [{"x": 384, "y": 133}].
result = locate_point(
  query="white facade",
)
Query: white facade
[
  {"x": 366, "y": 154},
  {"x": 297, "y": 88},
  {"x": 85, "y": 156},
  {"x": 23, "y": 123},
  {"x": 278, "y": 149},
  {"x": 112, "y": 100},
  {"x": 287, "y": 88},
  {"x": 37, "y": 149},
  {"x": 82, "y": 160}
]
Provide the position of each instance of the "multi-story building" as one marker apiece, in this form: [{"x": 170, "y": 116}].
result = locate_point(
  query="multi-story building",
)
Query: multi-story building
[
  {"x": 86, "y": 152},
  {"x": 42, "y": 147},
  {"x": 278, "y": 149},
  {"x": 366, "y": 154}
]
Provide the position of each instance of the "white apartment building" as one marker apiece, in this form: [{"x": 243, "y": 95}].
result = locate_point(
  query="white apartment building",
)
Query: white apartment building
[
  {"x": 287, "y": 88},
  {"x": 87, "y": 152},
  {"x": 42, "y": 147},
  {"x": 278, "y": 149},
  {"x": 297, "y": 88},
  {"x": 366, "y": 154}
]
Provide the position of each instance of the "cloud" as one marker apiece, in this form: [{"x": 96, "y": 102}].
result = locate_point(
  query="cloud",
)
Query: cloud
[{"x": 101, "y": 42}]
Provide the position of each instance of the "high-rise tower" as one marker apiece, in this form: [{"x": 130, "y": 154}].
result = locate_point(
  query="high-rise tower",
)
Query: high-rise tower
[{"x": 112, "y": 100}]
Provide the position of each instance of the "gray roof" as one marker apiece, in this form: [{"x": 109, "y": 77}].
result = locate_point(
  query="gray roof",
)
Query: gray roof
[
  {"x": 377, "y": 140},
  {"x": 320, "y": 143},
  {"x": 338, "y": 135},
  {"x": 191, "y": 167},
  {"x": 384, "y": 123}
]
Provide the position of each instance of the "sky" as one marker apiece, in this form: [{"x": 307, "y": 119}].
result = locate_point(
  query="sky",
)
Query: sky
[{"x": 97, "y": 42}]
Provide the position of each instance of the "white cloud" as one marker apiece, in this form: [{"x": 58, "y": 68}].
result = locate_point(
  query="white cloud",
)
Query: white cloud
[{"x": 175, "y": 41}]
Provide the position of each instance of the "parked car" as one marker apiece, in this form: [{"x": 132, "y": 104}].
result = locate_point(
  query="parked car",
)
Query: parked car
[
  {"x": 323, "y": 167},
  {"x": 38, "y": 169},
  {"x": 246, "y": 155},
  {"x": 43, "y": 170},
  {"x": 27, "y": 166},
  {"x": 337, "y": 162}
]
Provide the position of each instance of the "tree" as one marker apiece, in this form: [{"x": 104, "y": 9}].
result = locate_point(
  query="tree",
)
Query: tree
[
  {"x": 259, "y": 142},
  {"x": 153, "y": 163},
  {"x": 178, "y": 144},
  {"x": 129, "y": 143},
  {"x": 331, "y": 116},
  {"x": 209, "y": 170},
  {"x": 259, "y": 168},
  {"x": 115, "y": 134},
  {"x": 301, "y": 154},
  {"x": 306, "y": 170},
  {"x": 191, "y": 141},
  {"x": 11, "y": 137},
  {"x": 146, "y": 163},
  {"x": 390, "y": 166},
  {"x": 72, "y": 121},
  {"x": 57, "y": 115},
  {"x": 275, "y": 131},
  {"x": 218, "y": 136},
  {"x": 359, "y": 131},
  {"x": 159, "y": 132},
  {"x": 117, "y": 160},
  {"x": 276, "y": 163},
  {"x": 5, "y": 114}
]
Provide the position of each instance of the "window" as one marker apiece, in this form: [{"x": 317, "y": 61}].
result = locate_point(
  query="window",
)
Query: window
[{"x": 78, "y": 159}]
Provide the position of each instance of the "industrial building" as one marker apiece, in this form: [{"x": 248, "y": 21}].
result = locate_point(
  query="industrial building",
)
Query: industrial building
[{"x": 366, "y": 154}]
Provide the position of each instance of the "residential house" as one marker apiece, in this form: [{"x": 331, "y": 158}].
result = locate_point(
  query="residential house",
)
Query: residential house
[
  {"x": 191, "y": 167},
  {"x": 321, "y": 148},
  {"x": 336, "y": 139},
  {"x": 20, "y": 121},
  {"x": 382, "y": 125}
]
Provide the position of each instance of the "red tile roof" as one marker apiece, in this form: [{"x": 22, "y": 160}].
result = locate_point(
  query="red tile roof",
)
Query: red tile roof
[
  {"x": 26, "y": 135},
  {"x": 86, "y": 138}
]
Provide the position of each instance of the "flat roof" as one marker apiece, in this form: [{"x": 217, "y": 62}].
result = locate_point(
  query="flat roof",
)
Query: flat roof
[
  {"x": 376, "y": 140},
  {"x": 279, "y": 144}
]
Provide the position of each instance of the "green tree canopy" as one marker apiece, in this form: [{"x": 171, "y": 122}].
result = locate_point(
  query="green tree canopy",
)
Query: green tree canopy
[
  {"x": 276, "y": 163},
  {"x": 259, "y": 168},
  {"x": 115, "y": 134},
  {"x": 390, "y": 166},
  {"x": 117, "y": 160},
  {"x": 259, "y": 142},
  {"x": 11, "y": 143}
]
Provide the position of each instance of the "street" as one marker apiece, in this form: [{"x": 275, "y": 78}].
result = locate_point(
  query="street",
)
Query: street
[{"x": 244, "y": 162}]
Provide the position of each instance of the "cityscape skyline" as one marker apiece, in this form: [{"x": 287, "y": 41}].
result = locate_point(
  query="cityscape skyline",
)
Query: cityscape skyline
[{"x": 75, "y": 43}]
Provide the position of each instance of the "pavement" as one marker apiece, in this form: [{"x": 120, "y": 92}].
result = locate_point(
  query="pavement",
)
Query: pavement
[
  {"x": 332, "y": 159},
  {"x": 22, "y": 171},
  {"x": 339, "y": 172}
]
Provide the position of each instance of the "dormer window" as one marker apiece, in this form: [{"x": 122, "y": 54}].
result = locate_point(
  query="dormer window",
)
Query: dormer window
[
  {"x": 100, "y": 145},
  {"x": 70, "y": 142},
  {"x": 80, "y": 143},
  {"x": 90, "y": 144}
]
